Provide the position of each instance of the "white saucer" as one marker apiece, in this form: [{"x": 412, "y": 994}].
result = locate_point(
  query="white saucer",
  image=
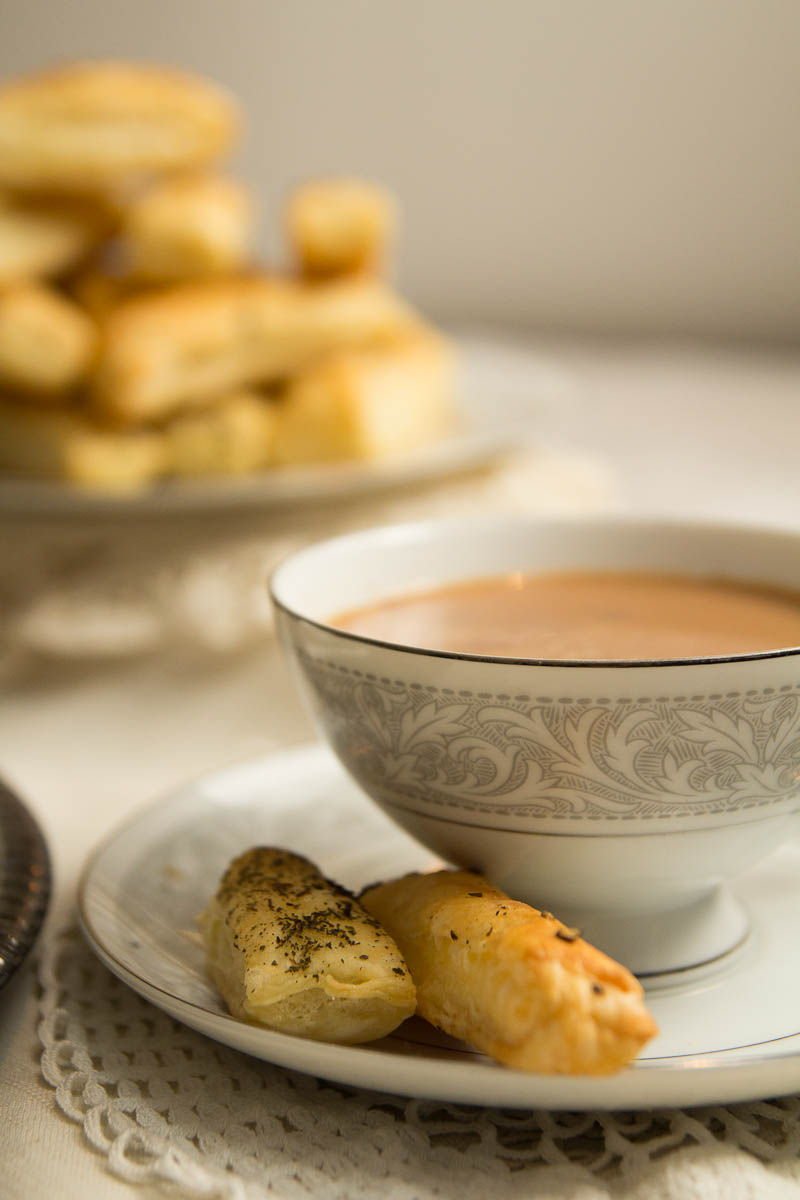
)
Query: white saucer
[{"x": 730, "y": 1032}]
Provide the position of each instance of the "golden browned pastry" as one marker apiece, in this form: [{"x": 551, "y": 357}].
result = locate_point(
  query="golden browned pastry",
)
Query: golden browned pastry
[
  {"x": 39, "y": 239},
  {"x": 188, "y": 227},
  {"x": 368, "y": 403},
  {"x": 46, "y": 342},
  {"x": 97, "y": 291},
  {"x": 168, "y": 350},
  {"x": 514, "y": 982},
  {"x": 62, "y": 444},
  {"x": 340, "y": 227},
  {"x": 92, "y": 126},
  {"x": 233, "y": 436},
  {"x": 291, "y": 950}
]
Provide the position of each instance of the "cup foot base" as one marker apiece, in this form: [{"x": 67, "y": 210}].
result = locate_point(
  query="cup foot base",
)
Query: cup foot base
[{"x": 662, "y": 944}]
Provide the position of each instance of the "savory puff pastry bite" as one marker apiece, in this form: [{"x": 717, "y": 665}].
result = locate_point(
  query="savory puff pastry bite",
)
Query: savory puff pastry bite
[
  {"x": 368, "y": 403},
  {"x": 97, "y": 292},
  {"x": 340, "y": 227},
  {"x": 290, "y": 950},
  {"x": 39, "y": 240},
  {"x": 234, "y": 436},
  {"x": 188, "y": 227},
  {"x": 65, "y": 444},
  {"x": 46, "y": 342},
  {"x": 512, "y": 981},
  {"x": 167, "y": 350},
  {"x": 93, "y": 126}
]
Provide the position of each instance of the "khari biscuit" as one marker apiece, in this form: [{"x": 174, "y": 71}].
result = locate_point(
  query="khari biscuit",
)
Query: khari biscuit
[
  {"x": 39, "y": 240},
  {"x": 94, "y": 126},
  {"x": 233, "y": 436},
  {"x": 99, "y": 290},
  {"x": 188, "y": 227},
  {"x": 62, "y": 444},
  {"x": 368, "y": 403},
  {"x": 511, "y": 980},
  {"x": 340, "y": 227},
  {"x": 47, "y": 343},
  {"x": 290, "y": 950},
  {"x": 178, "y": 348}
]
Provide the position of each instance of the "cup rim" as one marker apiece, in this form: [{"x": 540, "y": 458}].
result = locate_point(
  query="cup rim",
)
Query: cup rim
[{"x": 621, "y": 521}]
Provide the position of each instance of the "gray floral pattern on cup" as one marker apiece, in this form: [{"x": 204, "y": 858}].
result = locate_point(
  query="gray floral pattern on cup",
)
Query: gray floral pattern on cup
[{"x": 557, "y": 757}]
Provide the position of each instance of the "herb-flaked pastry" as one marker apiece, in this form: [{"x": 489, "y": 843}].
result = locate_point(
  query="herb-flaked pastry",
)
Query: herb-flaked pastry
[
  {"x": 514, "y": 982},
  {"x": 290, "y": 950}
]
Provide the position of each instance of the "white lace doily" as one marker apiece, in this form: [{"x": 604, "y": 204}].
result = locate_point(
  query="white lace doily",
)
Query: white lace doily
[{"x": 164, "y": 1104}]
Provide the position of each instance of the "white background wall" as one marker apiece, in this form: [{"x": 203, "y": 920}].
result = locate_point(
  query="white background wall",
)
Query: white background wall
[{"x": 612, "y": 165}]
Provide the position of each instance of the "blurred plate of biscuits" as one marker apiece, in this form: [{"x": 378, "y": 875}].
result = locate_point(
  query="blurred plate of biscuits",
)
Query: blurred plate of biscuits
[{"x": 149, "y": 362}]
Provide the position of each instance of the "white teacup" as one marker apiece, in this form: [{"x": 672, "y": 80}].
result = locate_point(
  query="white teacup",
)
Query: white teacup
[{"x": 620, "y": 795}]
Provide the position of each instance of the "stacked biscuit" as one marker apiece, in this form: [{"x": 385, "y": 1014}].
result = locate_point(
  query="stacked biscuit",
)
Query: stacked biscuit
[{"x": 137, "y": 338}]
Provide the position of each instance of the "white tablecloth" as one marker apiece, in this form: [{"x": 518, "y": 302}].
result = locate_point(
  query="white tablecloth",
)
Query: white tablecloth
[{"x": 687, "y": 431}]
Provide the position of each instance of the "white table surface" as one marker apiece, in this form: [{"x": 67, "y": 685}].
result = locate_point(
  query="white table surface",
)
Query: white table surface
[{"x": 688, "y": 431}]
